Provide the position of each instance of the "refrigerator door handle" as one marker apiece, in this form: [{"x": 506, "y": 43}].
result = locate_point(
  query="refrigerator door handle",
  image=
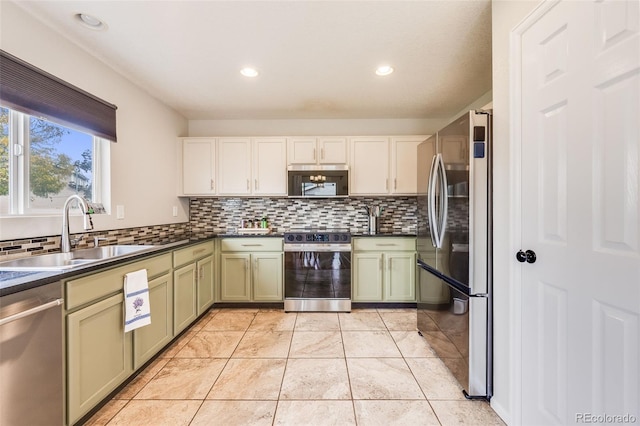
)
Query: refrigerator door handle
[
  {"x": 444, "y": 201},
  {"x": 431, "y": 201}
]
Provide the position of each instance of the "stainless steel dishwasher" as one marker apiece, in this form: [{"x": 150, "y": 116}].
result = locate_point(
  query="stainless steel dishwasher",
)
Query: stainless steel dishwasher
[{"x": 31, "y": 357}]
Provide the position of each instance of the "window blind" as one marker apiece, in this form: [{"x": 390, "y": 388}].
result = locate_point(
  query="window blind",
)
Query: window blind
[{"x": 30, "y": 90}]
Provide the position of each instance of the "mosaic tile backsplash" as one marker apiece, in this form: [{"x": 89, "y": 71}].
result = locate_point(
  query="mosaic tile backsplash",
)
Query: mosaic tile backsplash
[
  {"x": 399, "y": 214},
  {"x": 140, "y": 235},
  {"x": 224, "y": 215}
]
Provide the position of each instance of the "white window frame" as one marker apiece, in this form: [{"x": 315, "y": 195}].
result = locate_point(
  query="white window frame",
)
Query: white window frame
[{"x": 19, "y": 151}]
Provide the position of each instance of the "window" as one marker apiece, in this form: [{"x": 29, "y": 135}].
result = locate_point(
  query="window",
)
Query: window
[{"x": 42, "y": 163}]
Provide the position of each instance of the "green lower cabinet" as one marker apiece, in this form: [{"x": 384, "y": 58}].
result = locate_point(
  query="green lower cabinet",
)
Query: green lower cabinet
[
  {"x": 235, "y": 277},
  {"x": 184, "y": 297},
  {"x": 246, "y": 277},
  {"x": 267, "y": 276},
  {"x": 98, "y": 354},
  {"x": 367, "y": 277},
  {"x": 400, "y": 277},
  {"x": 206, "y": 291},
  {"x": 384, "y": 270},
  {"x": 150, "y": 339}
]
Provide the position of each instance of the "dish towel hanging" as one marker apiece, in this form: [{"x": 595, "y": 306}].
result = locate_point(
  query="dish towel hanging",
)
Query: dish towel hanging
[{"x": 136, "y": 300}]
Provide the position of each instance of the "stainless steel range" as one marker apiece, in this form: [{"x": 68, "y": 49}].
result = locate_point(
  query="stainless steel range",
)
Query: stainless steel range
[{"x": 317, "y": 266}]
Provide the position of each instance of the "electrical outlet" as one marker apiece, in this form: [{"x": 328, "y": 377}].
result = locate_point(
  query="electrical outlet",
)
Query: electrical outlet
[
  {"x": 175, "y": 211},
  {"x": 120, "y": 212}
]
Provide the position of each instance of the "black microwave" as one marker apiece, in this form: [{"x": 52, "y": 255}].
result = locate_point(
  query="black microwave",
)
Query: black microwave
[{"x": 311, "y": 181}]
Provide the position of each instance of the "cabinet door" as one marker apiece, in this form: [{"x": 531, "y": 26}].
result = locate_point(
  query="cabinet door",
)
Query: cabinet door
[
  {"x": 367, "y": 277},
  {"x": 404, "y": 165},
  {"x": 301, "y": 151},
  {"x": 270, "y": 166},
  {"x": 184, "y": 297},
  {"x": 205, "y": 269},
  {"x": 98, "y": 354},
  {"x": 332, "y": 150},
  {"x": 369, "y": 166},
  {"x": 235, "y": 278},
  {"x": 400, "y": 276},
  {"x": 267, "y": 276},
  {"x": 198, "y": 166},
  {"x": 148, "y": 340},
  {"x": 234, "y": 166}
]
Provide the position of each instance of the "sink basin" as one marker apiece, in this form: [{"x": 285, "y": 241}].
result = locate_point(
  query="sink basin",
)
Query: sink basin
[{"x": 73, "y": 259}]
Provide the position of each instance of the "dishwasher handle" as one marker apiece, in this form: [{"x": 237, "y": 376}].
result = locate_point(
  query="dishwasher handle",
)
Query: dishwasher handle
[{"x": 31, "y": 311}]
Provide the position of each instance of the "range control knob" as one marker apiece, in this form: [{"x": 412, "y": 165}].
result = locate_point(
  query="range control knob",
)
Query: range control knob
[
  {"x": 345, "y": 238},
  {"x": 289, "y": 237},
  {"x": 298, "y": 237},
  {"x": 336, "y": 237}
]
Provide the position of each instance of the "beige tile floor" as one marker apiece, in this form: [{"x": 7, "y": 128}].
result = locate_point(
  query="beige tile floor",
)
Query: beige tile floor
[{"x": 267, "y": 367}]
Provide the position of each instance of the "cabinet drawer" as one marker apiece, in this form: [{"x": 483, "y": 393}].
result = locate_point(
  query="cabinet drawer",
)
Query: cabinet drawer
[
  {"x": 98, "y": 285},
  {"x": 251, "y": 244},
  {"x": 384, "y": 244},
  {"x": 191, "y": 253}
]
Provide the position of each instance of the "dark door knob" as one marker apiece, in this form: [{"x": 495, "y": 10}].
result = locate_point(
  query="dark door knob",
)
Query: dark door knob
[{"x": 528, "y": 256}]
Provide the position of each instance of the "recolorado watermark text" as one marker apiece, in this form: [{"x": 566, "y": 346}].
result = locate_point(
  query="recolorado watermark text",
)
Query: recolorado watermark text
[{"x": 605, "y": 418}]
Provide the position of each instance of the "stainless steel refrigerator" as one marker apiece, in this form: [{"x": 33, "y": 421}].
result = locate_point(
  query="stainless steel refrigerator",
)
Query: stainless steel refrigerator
[{"x": 454, "y": 285}]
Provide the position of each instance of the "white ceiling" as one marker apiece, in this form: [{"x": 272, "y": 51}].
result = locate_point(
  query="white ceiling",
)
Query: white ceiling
[{"x": 316, "y": 58}]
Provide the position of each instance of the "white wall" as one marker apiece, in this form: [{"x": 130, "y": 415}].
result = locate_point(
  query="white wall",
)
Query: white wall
[
  {"x": 506, "y": 15},
  {"x": 143, "y": 164},
  {"x": 318, "y": 127}
]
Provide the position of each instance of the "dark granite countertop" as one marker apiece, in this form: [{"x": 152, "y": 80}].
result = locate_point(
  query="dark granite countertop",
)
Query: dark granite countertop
[
  {"x": 13, "y": 282},
  {"x": 382, "y": 234}
]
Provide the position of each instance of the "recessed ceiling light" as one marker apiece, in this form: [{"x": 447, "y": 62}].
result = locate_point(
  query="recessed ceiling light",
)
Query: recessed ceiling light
[
  {"x": 384, "y": 70},
  {"x": 249, "y": 72},
  {"x": 90, "y": 21}
]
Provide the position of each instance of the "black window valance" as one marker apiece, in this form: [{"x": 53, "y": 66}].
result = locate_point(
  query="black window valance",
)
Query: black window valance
[{"x": 30, "y": 90}]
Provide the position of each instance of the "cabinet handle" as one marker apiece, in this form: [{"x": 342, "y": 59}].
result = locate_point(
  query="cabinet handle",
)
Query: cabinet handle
[
  {"x": 385, "y": 244},
  {"x": 395, "y": 183},
  {"x": 386, "y": 184},
  {"x": 248, "y": 185},
  {"x": 380, "y": 264},
  {"x": 255, "y": 184},
  {"x": 201, "y": 273},
  {"x": 246, "y": 265},
  {"x": 213, "y": 185},
  {"x": 251, "y": 245},
  {"x": 198, "y": 251},
  {"x": 255, "y": 265}
]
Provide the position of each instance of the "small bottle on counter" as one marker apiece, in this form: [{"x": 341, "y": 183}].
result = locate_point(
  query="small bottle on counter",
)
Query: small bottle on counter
[{"x": 264, "y": 223}]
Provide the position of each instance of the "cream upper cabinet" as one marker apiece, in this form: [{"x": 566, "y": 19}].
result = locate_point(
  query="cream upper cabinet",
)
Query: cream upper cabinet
[
  {"x": 317, "y": 150},
  {"x": 234, "y": 166},
  {"x": 199, "y": 166},
  {"x": 404, "y": 165},
  {"x": 369, "y": 172},
  {"x": 269, "y": 166}
]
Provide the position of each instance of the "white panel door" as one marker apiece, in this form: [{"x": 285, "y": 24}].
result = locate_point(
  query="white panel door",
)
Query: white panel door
[
  {"x": 234, "y": 166},
  {"x": 580, "y": 162}
]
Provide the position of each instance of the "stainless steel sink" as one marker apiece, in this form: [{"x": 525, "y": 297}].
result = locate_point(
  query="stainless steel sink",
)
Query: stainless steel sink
[{"x": 73, "y": 259}]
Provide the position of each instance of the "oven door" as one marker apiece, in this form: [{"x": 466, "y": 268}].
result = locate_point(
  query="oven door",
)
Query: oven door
[{"x": 317, "y": 278}]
